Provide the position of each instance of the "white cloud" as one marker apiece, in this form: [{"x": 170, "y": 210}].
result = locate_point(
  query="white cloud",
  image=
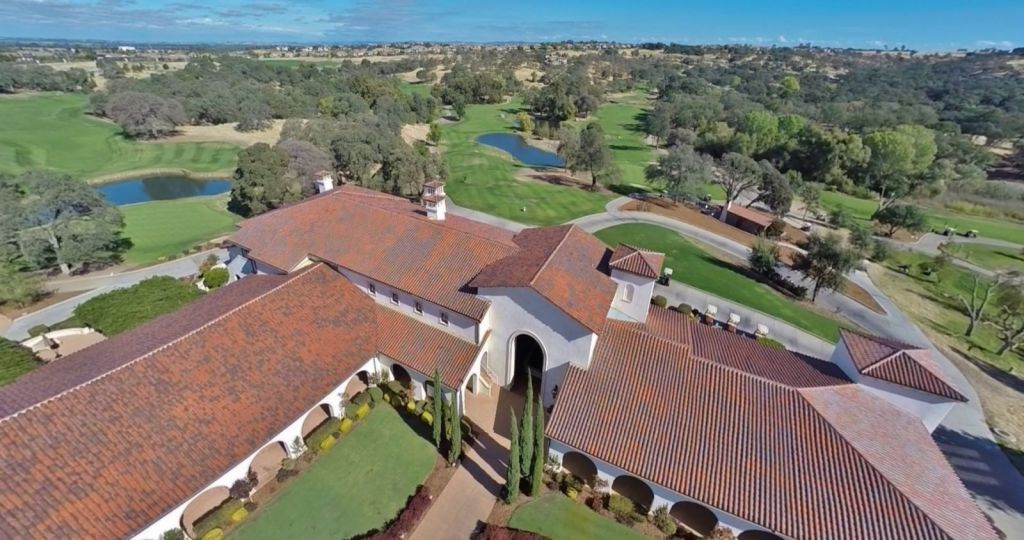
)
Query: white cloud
[
  {"x": 987, "y": 44},
  {"x": 782, "y": 39}
]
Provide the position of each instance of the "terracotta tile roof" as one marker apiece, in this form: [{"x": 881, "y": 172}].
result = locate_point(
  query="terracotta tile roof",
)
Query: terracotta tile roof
[
  {"x": 386, "y": 238},
  {"x": 898, "y": 363},
  {"x": 565, "y": 265},
  {"x": 742, "y": 353},
  {"x": 806, "y": 462},
  {"x": 751, "y": 215},
  {"x": 112, "y": 455},
  {"x": 56, "y": 377},
  {"x": 418, "y": 346},
  {"x": 636, "y": 261}
]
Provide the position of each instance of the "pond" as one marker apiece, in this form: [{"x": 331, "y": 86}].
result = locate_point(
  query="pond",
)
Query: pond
[
  {"x": 521, "y": 150},
  {"x": 160, "y": 188}
]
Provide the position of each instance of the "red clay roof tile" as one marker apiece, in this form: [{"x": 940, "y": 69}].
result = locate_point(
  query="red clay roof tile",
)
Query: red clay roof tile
[
  {"x": 898, "y": 363},
  {"x": 418, "y": 346},
  {"x": 636, "y": 261}
]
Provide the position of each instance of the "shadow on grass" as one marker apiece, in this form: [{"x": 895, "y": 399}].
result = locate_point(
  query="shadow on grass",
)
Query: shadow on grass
[
  {"x": 1007, "y": 379},
  {"x": 627, "y": 189},
  {"x": 626, "y": 147},
  {"x": 749, "y": 274}
]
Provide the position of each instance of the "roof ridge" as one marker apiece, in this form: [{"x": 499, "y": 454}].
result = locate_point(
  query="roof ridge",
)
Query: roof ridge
[
  {"x": 551, "y": 255},
  {"x": 363, "y": 192},
  {"x": 832, "y": 428},
  {"x": 181, "y": 338}
]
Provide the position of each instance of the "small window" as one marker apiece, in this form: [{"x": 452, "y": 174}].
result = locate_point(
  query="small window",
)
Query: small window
[
  {"x": 419, "y": 308},
  {"x": 373, "y": 289},
  {"x": 394, "y": 297},
  {"x": 444, "y": 318},
  {"x": 627, "y": 292}
]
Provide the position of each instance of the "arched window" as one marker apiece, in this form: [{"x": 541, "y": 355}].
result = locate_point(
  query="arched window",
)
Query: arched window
[{"x": 627, "y": 292}]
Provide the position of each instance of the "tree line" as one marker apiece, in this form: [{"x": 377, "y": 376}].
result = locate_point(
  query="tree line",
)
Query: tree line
[{"x": 21, "y": 77}]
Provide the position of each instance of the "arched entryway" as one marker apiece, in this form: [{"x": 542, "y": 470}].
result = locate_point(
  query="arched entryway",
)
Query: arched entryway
[
  {"x": 635, "y": 490},
  {"x": 696, "y": 518},
  {"x": 200, "y": 507},
  {"x": 580, "y": 466},
  {"x": 315, "y": 418},
  {"x": 526, "y": 358},
  {"x": 758, "y": 535},
  {"x": 401, "y": 375},
  {"x": 357, "y": 384},
  {"x": 267, "y": 462}
]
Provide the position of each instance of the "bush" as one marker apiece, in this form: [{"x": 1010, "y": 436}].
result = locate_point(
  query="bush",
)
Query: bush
[
  {"x": 322, "y": 432},
  {"x": 173, "y": 534},
  {"x": 664, "y": 521},
  {"x": 776, "y": 229},
  {"x": 410, "y": 406},
  {"x": 407, "y": 520},
  {"x": 361, "y": 398},
  {"x": 215, "y": 277},
  {"x": 840, "y": 218},
  {"x": 769, "y": 342},
  {"x": 345, "y": 425},
  {"x": 427, "y": 418},
  {"x": 764, "y": 255},
  {"x": 659, "y": 300},
  {"x": 123, "y": 309},
  {"x": 376, "y": 394},
  {"x": 623, "y": 508},
  {"x": 596, "y": 502},
  {"x": 880, "y": 252},
  {"x": 213, "y": 534},
  {"x": 15, "y": 360},
  {"x": 326, "y": 444},
  {"x": 239, "y": 515},
  {"x": 38, "y": 330},
  {"x": 497, "y": 532},
  {"x": 571, "y": 493},
  {"x": 362, "y": 411},
  {"x": 684, "y": 308}
]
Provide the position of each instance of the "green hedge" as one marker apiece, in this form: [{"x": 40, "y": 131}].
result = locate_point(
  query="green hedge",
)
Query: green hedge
[
  {"x": 322, "y": 432},
  {"x": 15, "y": 360},
  {"x": 215, "y": 277},
  {"x": 376, "y": 394},
  {"x": 123, "y": 309},
  {"x": 219, "y": 519}
]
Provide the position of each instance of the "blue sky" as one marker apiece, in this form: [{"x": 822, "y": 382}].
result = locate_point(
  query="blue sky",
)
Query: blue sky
[{"x": 920, "y": 24}]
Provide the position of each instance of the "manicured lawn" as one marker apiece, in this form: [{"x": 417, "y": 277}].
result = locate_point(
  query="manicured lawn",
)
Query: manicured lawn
[
  {"x": 166, "y": 228},
  {"x": 559, "y": 518},
  {"x": 623, "y": 128},
  {"x": 356, "y": 486},
  {"x": 863, "y": 209},
  {"x": 415, "y": 88},
  {"x": 483, "y": 178},
  {"x": 697, "y": 268},
  {"x": 995, "y": 258},
  {"x": 52, "y": 131}
]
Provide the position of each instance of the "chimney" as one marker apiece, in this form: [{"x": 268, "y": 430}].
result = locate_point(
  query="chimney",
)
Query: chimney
[
  {"x": 435, "y": 200},
  {"x": 324, "y": 182}
]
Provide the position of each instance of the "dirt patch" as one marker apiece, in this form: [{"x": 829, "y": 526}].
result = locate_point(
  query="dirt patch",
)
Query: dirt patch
[
  {"x": 524, "y": 74},
  {"x": 226, "y": 133},
  {"x": 681, "y": 212},
  {"x": 414, "y": 132},
  {"x": 47, "y": 300},
  {"x": 999, "y": 391}
]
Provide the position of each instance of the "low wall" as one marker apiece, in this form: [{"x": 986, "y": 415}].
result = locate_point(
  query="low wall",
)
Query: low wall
[
  {"x": 37, "y": 341},
  {"x": 793, "y": 338}
]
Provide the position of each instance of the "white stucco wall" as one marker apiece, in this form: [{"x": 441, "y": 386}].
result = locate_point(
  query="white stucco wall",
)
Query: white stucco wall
[
  {"x": 517, "y": 311},
  {"x": 929, "y": 408},
  {"x": 458, "y": 324},
  {"x": 662, "y": 495},
  {"x": 172, "y": 519},
  {"x": 643, "y": 290}
]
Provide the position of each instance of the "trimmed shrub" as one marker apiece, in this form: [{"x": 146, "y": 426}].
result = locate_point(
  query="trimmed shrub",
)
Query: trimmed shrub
[
  {"x": 326, "y": 444},
  {"x": 623, "y": 508},
  {"x": 215, "y": 277},
  {"x": 410, "y": 406},
  {"x": 427, "y": 418},
  {"x": 362, "y": 411},
  {"x": 345, "y": 425},
  {"x": 239, "y": 515},
  {"x": 361, "y": 398},
  {"x": 38, "y": 330},
  {"x": 772, "y": 343},
  {"x": 395, "y": 387},
  {"x": 571, "y": 493},
  {"x": 376, "y": 394},
  {"x": 664, "y": 521},
  {"x": 659, "y": 300},
  {"x": 497, "y": 532},
  {"x": 684, "y": 308},
  {"x": 213, "y": 534},
  {"x": 322, "y": 432}
]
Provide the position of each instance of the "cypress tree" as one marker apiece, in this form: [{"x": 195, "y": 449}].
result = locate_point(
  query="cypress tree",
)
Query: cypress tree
[
  {"x": 539, "y": 458},
  {"x": 526, "y": 431},
  {"x": 438, "y": 411},
  {"x": 513, "y": 474},
  {"x": 455, "y": 437}
]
